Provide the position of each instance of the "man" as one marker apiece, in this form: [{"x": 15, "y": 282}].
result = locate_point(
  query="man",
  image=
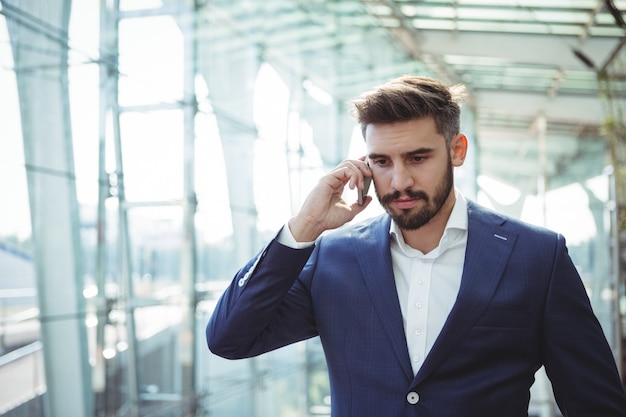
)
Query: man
[{"x": 438, "y": 308}]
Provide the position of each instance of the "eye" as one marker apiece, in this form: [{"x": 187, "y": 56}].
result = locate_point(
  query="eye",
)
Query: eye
[{"x": 380, "y": 161}]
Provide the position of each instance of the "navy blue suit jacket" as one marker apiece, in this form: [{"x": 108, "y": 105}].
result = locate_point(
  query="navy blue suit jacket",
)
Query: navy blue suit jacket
[{"x": 521, "y": 305}]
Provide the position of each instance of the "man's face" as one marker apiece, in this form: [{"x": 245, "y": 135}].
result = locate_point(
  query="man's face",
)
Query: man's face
[{"x": 412, "y": 168}]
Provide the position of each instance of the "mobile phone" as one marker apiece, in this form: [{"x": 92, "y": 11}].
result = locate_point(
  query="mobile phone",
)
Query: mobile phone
[{"x": 366, "y": 186}]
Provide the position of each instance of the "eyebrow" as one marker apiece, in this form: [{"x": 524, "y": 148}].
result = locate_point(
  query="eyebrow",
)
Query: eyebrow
[{"x": 419, "y": 151}]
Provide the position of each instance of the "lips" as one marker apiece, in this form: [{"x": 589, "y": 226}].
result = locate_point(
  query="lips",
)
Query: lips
[
  {"x": 403, "y": 200},
  {"x": 405, "y": 203}
]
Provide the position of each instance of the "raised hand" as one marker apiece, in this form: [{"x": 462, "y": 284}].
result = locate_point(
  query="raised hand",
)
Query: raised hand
[{"x": 324, "y": 208}]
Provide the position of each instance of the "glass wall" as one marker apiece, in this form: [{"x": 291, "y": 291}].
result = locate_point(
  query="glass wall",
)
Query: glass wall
[{"x": 159, "y": 239}]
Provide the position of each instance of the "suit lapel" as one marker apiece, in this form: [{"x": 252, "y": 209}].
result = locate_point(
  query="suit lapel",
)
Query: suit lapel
[
  {"x": 488, "y": 248},
  {"x": 377, "y": 273}
]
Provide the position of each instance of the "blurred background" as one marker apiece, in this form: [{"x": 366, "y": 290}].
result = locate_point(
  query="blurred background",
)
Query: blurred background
[{"x": 148, "y": 148}]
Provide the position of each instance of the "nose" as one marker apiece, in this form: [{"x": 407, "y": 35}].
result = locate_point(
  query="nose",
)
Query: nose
[{"x": 401, "y": 178}]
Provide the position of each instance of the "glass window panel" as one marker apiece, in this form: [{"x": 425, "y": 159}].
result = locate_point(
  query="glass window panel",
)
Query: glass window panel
[
  {"x": 571, "y": 30},
  {"x": 379, "y": 10},
  {"x": 84, "y": 93},
  {"x": 434, "y": 24},
  {"x": 213, "y": 216},
  {"x": 427, "y": 11},
  {"x": 604, "y": 19},
  {"x": 156, "y": 241},
  {"x": 84, "y": 102},
  {"x": 151, "y": 61},
  {"x": 561, "y": 17},
  {"x": 534, "y": 28},
  {"x": 15, "y": 220},
  {"x": 531, "y": 72},
  {"x": 472, "y": 60},
  {"x": 152, "y": 146},
  {"x": 271, "y": 171},
  {"x": 565, "y": 4},
  {"x": 390, "y": 22},
  {"x": 551, "y": 4},
  {"x": 613, "y": 32},
  {"x": 127, "y": 5},
  {"x": 503, "y": 14}
]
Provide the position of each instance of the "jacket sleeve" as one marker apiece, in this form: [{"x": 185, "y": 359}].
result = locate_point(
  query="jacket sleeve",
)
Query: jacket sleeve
[
  {"x": 265, "y": 306},
  {"x": 577, "y": 357}
]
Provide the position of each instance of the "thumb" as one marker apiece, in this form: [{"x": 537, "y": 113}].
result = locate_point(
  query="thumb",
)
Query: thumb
[{"x": 357, "y": 208}]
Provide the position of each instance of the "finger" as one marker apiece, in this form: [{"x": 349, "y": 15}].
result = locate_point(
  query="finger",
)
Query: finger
[
  {"x": 349, "y": 173},
  {"x": 352, "y": 172},
  {"x": 339, "y": 177},
  {"x": 363, "y": 166}
]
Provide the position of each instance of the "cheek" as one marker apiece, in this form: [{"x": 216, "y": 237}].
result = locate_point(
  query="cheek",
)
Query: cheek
[
  {"x": 381, "y": 183},
  {"x": 378, "y": 188}
]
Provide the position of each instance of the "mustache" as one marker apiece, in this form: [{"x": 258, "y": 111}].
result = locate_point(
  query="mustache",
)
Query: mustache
[{"x": 388, "y": 198}]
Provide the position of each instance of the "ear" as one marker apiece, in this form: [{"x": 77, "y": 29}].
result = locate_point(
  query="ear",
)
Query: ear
[{"x": 458, "y": 149}]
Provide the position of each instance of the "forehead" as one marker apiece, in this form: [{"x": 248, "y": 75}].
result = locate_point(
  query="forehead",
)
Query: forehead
[{"x": 385, "y": 138}]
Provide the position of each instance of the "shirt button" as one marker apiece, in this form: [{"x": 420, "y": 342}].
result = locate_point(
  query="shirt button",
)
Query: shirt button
[
  {"x": 412, "y": 397},
  {"x": 420, "y": 282},
  {"x": 418, "y": 332},
  {"x": 243, "y": 280},
  {"x": 418, "y": 305},
  {"x": 416, "y": 358}
]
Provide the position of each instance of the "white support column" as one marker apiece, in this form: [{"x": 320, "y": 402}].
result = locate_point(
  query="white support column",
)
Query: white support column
[
  {"x": 38, "y": 32},
  {"x": 231, "y": 80},
  {"x": 332, "y": 127},
  {"x": 188, "y": 268}
]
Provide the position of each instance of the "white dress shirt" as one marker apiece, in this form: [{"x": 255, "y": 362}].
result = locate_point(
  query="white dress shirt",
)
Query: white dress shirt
[{"x": 427, "y": 284}]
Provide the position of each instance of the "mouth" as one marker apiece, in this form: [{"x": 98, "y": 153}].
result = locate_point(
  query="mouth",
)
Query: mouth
[{"x": 405, "y": 203}]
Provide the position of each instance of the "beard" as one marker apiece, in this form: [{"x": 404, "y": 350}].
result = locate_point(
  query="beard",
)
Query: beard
[{"x": 413, "y": 219}]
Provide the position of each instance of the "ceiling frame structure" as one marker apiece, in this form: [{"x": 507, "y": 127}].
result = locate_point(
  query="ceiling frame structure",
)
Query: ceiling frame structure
[
  {"x": 520, "y": 59},
  {"x": 540, "y": 66}
]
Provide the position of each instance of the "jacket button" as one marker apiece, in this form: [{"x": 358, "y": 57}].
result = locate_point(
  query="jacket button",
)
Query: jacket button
[{"x": 412, "y": 397}]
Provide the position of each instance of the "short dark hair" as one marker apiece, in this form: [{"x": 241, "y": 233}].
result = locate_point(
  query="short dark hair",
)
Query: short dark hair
[{"x": 412, "y": 97}]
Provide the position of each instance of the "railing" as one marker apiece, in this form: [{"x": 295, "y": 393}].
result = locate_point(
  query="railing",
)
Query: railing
[
  {"x": 19, "y": 324},
  {"x": 23, "y": 367}
]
